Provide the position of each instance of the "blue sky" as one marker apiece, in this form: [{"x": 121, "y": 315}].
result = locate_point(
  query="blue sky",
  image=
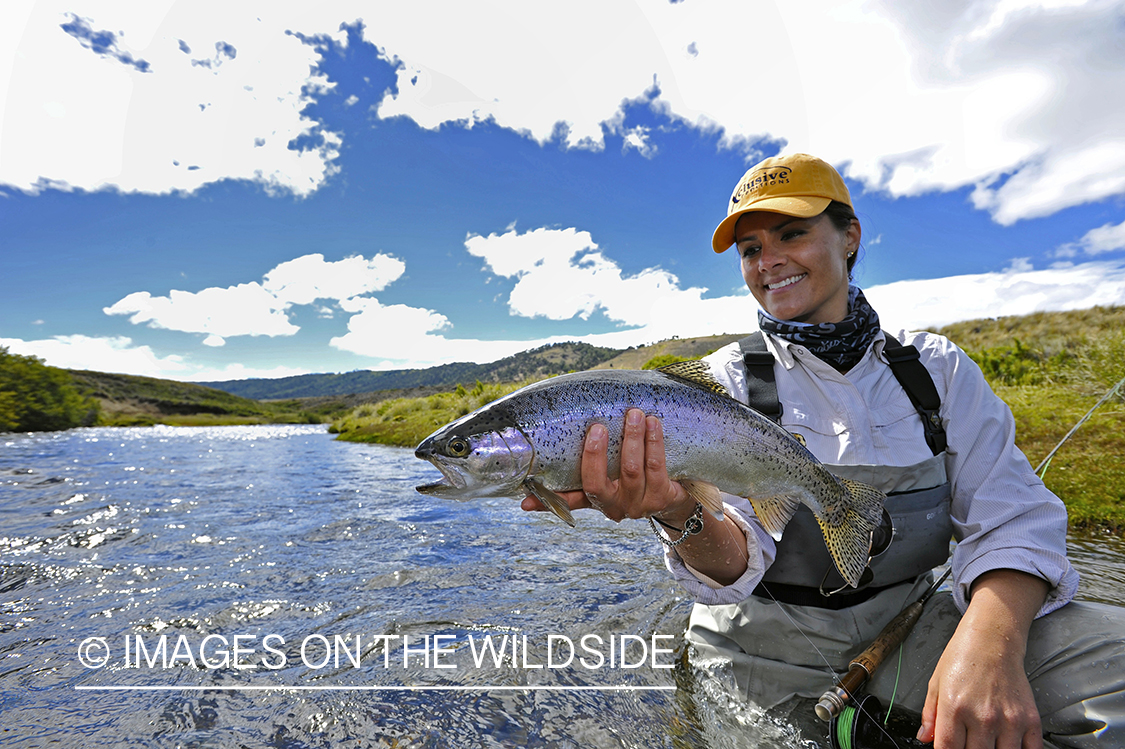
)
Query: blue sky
[{"x": 206, "y": 191}]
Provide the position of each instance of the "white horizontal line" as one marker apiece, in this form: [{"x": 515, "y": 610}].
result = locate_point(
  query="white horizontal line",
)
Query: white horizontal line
[{"x": 397, "y": 688}]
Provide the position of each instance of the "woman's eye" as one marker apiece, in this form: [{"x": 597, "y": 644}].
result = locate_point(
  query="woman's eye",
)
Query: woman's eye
[
  {"x": 792, "y": 234},
  {"x": 748, "y": 251}
]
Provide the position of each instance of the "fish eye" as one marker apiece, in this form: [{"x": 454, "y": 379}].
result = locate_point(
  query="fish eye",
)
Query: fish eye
[{"x": 458, "y": 447}]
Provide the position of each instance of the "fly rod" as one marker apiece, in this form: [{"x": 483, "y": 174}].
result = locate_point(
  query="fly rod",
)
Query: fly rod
[{"x": 861, "y": 669}]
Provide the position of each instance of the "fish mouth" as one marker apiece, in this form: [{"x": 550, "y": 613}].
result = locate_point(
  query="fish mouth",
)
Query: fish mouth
[
  {"x": 452, "y": 481},
  {"x": 435, "y": 489}
]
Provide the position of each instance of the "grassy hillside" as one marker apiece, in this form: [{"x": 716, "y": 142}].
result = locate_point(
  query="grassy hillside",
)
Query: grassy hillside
[
  {"x": 1048, "y": 332},
  {"x": 1051, "y": 368},
  {"x": 407, "y": 421},
  {"x": 536, "y": 363},
  {"x": 129, "y": 400}
]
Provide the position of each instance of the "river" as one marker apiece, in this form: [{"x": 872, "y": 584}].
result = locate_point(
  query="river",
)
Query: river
[{"x": 268, "y": 586}]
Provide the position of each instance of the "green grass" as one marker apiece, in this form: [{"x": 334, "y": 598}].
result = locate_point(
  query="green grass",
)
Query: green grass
[
  {"x": 407, "y": 421},
  {"x": 1088, "y": 471}
]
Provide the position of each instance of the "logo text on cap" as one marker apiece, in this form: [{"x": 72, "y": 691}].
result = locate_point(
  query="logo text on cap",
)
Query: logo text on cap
[{"x": 768, "y": 177}]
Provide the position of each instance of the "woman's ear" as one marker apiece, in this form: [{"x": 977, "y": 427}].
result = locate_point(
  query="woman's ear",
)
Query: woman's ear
[{"x": 854, "y": 234}]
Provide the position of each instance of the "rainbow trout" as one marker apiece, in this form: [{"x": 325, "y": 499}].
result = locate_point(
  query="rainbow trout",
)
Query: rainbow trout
[{"x": 530, "y": 442}]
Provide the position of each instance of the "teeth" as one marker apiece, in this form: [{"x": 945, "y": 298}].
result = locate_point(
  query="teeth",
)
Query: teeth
[{"x": 787, "y": 282}]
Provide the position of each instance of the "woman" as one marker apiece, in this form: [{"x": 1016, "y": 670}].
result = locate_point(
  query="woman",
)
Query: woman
[{"x": 767, "y": 607}]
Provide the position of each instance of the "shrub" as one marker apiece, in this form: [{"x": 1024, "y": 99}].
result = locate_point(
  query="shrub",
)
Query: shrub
[{"x": 38, "y": 398}]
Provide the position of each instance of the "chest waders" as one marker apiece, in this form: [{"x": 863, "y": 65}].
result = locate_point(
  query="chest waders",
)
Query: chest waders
[{"x": 918, "y": 505}]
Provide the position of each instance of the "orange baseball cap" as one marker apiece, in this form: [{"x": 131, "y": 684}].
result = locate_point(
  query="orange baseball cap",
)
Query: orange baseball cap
[{"x": 796, "y": 185}]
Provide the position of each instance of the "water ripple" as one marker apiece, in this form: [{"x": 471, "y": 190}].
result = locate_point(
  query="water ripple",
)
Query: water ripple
[{"x": 221, "y": 541}]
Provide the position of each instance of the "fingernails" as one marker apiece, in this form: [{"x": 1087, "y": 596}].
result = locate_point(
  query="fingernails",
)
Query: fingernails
[
  {"x": 634, "y": 417},
  {"x": 595, "y": 437}
]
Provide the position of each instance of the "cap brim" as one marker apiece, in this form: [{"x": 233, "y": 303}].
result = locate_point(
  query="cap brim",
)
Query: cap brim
[{"x": 803, "y": 207}]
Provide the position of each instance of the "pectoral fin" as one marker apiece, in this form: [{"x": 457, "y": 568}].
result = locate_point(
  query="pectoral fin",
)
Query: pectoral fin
[{"x": 553, "y": 502}]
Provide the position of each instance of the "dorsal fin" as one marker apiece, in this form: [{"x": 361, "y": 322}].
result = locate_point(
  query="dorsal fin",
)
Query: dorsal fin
[{"x": 694, "y": 372}]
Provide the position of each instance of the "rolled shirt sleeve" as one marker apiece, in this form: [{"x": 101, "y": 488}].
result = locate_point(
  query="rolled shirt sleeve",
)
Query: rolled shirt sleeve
[
  {"x": 759, "y": 554},
  {"x": 1004, "y": 516}
]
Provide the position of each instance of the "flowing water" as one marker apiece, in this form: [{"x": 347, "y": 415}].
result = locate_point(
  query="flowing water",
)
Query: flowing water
[{"x": 267, "y": 586}]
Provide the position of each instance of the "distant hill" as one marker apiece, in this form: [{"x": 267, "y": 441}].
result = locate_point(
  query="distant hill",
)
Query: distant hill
[
  {"x": 540, "y": 362},
  {"x": 127, "y": 400}
]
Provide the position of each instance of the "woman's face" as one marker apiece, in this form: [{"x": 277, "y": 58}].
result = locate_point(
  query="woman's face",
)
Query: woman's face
[{"x": 797, "y": 268}]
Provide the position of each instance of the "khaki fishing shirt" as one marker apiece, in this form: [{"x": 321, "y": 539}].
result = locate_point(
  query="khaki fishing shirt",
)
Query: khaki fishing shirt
[{"x": 1004, "y": 517}]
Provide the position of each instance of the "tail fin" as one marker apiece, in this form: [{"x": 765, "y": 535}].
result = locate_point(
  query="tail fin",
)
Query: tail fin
[{"x": 849, "y": 542}]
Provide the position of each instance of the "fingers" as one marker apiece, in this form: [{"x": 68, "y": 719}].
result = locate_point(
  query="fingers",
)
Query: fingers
[
  {"x": 642, "y": 487},
  {"x": 595, "y": 463},
  {"x": 929, "y": 717},
  {"x": 660, "y": 486},
  {"x": 634, "y": 478}
]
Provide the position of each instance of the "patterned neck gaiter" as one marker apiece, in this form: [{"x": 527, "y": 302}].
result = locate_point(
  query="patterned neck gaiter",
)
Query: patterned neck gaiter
[{"x": 841, "y": 344}]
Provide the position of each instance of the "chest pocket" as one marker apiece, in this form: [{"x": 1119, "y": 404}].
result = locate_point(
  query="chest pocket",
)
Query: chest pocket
[{"x": 905, "y": 364}]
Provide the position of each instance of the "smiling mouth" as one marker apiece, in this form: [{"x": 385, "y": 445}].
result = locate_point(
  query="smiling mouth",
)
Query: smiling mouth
[{"x": 787, "y": 282}]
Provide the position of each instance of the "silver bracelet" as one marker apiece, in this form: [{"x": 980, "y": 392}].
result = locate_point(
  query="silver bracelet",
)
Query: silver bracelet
[{"x": 693, "y": 526}]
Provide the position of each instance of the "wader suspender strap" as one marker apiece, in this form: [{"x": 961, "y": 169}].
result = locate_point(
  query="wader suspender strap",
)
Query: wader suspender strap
[
  {"x": 760, "y": 385},
  {"x": 919, "y": 387},
  {"x": 908, "y": 370}
]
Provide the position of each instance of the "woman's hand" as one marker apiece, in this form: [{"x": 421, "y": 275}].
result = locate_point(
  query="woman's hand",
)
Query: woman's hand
[
  {"x": 643, "y": 487},
  {"x": 979, "y": 695}
]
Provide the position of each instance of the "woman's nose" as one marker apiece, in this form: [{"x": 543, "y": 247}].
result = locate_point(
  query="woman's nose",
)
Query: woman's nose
[{"x": 769, "y": 256}]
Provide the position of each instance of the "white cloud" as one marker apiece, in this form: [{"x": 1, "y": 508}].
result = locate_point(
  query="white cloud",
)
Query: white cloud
[
  {"x": 1105, "y": 238},
  {"x": 120, "y": 354},
  {"x": 1019, "y": 290},
  {"x": 259, "y": 309},
  {"x": 397, "y": 336},
  {"x": 561, "y": 274},
  {"x": 221, "y": 98},
  {"x": 245, "y": 309},
  {"x": 307, "y": 278},
  {"x": 103, "y": 354},
  {"x": 1010, "y": 97}
]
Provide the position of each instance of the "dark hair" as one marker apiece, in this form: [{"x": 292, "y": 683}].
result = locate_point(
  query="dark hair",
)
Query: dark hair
[{"x": 841, "y": 215}]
